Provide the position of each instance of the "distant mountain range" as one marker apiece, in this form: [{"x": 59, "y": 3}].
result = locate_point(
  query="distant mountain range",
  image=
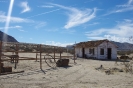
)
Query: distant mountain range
[
  {"x": 9, "y": 38},
  {"x": 121, "y": 46}
]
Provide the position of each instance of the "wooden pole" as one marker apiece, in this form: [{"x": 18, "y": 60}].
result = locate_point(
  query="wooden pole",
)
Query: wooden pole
[
  {"x": 74, "y": 54},
  {"x": 36, "y": 56},
  {"x": 17, "y": 52},
  {"x": 60, "y": 53},
  {"x": 0, "y": 56},
  {"x": 15, "y": 62},
  {"x": 36, "y": 53},
  {"x": 40, "y": 57},
  {"x": 54, "y": 53}
]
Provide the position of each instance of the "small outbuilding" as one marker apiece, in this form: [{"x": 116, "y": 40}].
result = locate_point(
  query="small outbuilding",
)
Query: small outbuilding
[{"x": 100, "y": 49}]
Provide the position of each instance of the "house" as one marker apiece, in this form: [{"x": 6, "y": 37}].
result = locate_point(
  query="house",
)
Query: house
[{"x": 100, "y": 49}]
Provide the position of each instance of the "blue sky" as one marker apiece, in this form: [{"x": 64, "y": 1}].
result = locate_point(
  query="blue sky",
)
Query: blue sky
[{"x": 64, "y": 22}]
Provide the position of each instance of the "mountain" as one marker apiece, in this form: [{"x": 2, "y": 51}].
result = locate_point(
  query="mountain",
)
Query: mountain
[
  {"x": 9, "y": 38},
  {"x": 69, "y": 46},
  {"x": 123, "y": 46}
]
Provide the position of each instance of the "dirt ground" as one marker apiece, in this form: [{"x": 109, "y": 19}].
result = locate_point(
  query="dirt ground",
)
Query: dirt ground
[{"x": 83, "y": 74}]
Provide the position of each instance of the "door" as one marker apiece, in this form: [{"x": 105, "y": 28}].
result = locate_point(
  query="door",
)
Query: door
[
  {"x": 83, "y": 52},
  {"x": 109, "y": 51}
]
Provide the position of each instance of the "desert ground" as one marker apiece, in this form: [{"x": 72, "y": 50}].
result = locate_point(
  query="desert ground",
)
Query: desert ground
[{"x": 85, "y": 73}]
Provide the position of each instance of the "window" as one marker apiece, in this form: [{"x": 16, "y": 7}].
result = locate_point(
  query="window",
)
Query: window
[
  {"x": 91, "y": 51},
  {"x": 101, "y": 51}
]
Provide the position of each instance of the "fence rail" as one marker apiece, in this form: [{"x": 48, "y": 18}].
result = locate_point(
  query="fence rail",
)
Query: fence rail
[{"x": 39, "y": 52}]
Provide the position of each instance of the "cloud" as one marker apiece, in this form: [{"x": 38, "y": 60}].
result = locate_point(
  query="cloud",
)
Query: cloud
[
  {"x": 44, "y": 13},
  {"x": 11, "y": 27},
  {"x": 14, "y": 19},
  {"x": 14, "y": 27},
  {"x": 18, "y": 26},
  {"x": 21, "y": 30},
  {"x": 46, "y": 6},
  {"x": 40, "y": 25},
  {"x": 95, "y": 23},
  {"x": 76, "y": 16},
  {"x": 25, "y": 7},
  {"x": 130, "y": 2},
  {"x": 91, "y": 24},
  {"x": 122, "y": 8},
  {"x": 121, "y": 32},
  {"x": 57, "y": 43}
]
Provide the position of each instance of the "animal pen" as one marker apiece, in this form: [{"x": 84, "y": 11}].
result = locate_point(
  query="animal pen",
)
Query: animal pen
[{"x": 42, "y": 52}]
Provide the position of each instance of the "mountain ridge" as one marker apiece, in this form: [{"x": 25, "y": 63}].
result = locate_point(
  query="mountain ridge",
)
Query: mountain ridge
[
  {"x": 123, "y": 46},
  {"x": 9, "y": 38}
]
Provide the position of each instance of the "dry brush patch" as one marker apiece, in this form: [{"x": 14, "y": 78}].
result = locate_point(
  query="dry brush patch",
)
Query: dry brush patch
[
  {"x": 126, "y": 63},
  {"x": 124, "y": 66}
]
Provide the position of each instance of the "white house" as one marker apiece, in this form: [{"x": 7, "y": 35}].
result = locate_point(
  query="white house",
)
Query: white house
[{"x": 100, "y": 49}]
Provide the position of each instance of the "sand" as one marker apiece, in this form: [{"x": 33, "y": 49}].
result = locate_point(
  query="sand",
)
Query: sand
[{"x": 83, "y": 74}]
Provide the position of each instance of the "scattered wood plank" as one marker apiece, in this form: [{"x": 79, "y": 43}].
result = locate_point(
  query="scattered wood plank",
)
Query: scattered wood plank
[{"x": 11, "y": 72}]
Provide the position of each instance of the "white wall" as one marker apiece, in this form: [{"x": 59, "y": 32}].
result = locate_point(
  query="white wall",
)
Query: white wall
[
  {"x": 90, "y": 54},
  {"x": 78, "y": 52},
  {"x": 104, "y": 45}
]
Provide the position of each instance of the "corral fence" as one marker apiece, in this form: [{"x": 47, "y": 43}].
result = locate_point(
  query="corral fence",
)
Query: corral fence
[{"x": 46, "y": 52}]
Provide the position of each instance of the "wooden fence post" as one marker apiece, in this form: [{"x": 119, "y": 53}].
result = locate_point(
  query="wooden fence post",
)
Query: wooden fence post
[
  {"x": 60, "y": 53},
  {"x": 17, "y": 52},
  {"x": 54, "y": 53},
  {"x": 74, "y": 54},
  {"x": 36, "y": 56},
  {"x": 36, "y": 52},
  {"x": 40, "y": 57}
]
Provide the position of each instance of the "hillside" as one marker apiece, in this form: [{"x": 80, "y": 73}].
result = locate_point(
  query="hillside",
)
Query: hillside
[
  {"x": 9, "y": 38},
  {"x": 123, "y": 46}
]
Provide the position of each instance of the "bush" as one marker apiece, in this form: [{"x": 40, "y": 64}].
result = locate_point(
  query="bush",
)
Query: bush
[
  {"x": 28, "y": 49},
  {"x": 124, "y": 52}
]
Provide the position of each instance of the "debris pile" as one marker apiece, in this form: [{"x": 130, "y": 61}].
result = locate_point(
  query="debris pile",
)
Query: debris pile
[
  {"x": 109, "y": 70},
  {"x": 62, "y": 63},
  {"x": 5, "y": 68}
]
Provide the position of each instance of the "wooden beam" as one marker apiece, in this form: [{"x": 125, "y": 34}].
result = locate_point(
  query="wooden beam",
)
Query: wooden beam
[
  {"x": 11, "y": 72},
  {"x": 26, "y": 59},
  {"x": 64, "y": 56},
  {"x": 20, "y": 59},
  {"x": 19, "y": 51}
]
